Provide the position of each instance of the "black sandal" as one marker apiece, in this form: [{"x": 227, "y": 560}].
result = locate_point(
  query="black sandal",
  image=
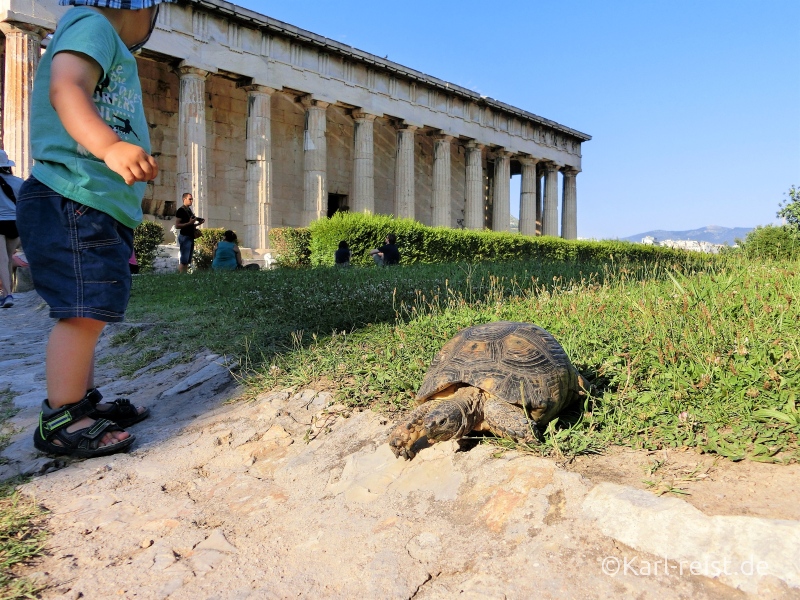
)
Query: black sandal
[
  {"x": 84, "y": 443},
  {"x": 122, "y": 411}
]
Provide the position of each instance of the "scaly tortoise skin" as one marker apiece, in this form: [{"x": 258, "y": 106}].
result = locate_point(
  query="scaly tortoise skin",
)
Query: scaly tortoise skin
[{"x": 486, "y": 379}]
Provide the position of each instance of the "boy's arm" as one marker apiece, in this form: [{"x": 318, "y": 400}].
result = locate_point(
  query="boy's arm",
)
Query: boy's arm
[{"x": 73, "y": 78}]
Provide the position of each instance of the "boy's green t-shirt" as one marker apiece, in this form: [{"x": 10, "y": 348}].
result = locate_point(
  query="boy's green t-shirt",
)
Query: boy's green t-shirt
[{"x": 60, "y": 162}]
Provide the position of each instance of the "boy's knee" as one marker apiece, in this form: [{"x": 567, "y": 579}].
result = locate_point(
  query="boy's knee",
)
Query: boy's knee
[{"x": 84, "y": 323}]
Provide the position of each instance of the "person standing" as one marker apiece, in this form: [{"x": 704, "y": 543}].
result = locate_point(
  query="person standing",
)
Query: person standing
[
  {"x": 186, "y": 224},
  {"x": 9, "y": 236},
  {"x": 77, "y": 211}
]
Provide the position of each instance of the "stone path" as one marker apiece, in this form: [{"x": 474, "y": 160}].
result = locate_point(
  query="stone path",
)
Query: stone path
[{"x": 292, "y": 496}]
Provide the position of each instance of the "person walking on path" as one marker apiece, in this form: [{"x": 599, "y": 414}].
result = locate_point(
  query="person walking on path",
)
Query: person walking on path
[
  {"x": 186, "y": 224},
  {"x": 77, "y": 211},
  {"x": 9, "y": 236}
]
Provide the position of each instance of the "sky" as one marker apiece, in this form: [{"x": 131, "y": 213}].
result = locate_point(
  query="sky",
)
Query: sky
[{"x": 693, "y": 105}]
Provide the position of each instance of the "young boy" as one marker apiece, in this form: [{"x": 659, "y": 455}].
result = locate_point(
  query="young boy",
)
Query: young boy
[{"x": 77, "y": 211}]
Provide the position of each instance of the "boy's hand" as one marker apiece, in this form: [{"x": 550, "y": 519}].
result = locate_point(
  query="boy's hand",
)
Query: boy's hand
[{"x": 131, "y": 162}]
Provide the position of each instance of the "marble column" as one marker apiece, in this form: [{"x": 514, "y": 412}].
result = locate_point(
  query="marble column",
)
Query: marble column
[
  {"x": 569, "y": 207},
  {"x": 23, "y": 48},
  {"x": 473, "y": 209},
  {"x": 363, "y": 200},
  {"x": 192, "y": 165},
  {"x": 550, "y": 216},
  {"x": 527, "y": 197},
  {"x": 315, "y": 161},
  {"x": 258, "y": 156},
  {"x": 539, "y": 193},
  {"x": 404, "y": 178},
  {"x": 501, "y": 213},
  {"x": 442, "y": 178}
]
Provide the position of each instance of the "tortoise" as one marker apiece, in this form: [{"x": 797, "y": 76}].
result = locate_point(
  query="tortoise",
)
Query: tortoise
[{"x": 504, "y": 377}]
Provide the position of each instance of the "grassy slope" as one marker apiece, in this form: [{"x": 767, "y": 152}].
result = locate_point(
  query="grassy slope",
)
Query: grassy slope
[{"x": 708, "y": 359}]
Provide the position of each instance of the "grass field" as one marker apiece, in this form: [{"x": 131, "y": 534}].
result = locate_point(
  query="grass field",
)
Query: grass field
[{"x": 706, "y": 359}]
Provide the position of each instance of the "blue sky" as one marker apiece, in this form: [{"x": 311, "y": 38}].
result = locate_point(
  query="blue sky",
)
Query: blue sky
[{"x": 693, "y": 105}]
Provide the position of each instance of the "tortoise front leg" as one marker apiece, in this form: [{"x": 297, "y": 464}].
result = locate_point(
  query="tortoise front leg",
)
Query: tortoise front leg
[
  {"x": 508, "y": 421},
  {"x": 406, "y": 434}
]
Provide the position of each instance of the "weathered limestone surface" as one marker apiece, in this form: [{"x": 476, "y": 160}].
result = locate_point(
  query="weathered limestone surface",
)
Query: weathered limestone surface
[
  {"x": 501, "y": 219},
  {"x": 569, "y": 217},
  {"x": 442, "y": 177},
  {"x": 404, "y": 182},
  {"x": 473, "y": 215},
  {"x": 21, "y": 59},
  {"x": 528, "y": 197},
  {"x": 550, "y": 213},
  {"x": 192, "y": 165},
  {"x": 258, "y": 198},
  {"x": 364, "y": 163},
  {"x": 315, "y": 161}
]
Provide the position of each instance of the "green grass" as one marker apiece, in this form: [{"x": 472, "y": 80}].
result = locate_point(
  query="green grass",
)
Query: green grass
[
  {"x": 22, "y": 537},
  {"x": 21, "y": 531},
  {"x": 705, "y": 359}
]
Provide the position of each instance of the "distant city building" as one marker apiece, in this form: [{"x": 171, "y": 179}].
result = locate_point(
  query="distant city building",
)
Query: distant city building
[{"x": 692, "y": 245}]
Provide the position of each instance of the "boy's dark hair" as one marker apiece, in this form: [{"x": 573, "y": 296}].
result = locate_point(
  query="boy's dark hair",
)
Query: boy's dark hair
[
  {"x": 392, "y": 238},
  {"x": 186, "y": 195},
  {"x": 230, "y": 236},
  {"x": 343, "y": 245}
]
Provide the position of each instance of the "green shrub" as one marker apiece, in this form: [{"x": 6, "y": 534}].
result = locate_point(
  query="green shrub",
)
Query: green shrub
[
  {"x": 204, "y": 247},
  {"x": 421, "y": 244},
  {"x": 292, "y": 246},
  {"x": 146, "y": 239},
  {"x": 771, "y": 242}
]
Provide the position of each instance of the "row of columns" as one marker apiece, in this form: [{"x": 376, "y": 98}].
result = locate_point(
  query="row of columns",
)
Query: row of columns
[{"x": 22, "y": 56}]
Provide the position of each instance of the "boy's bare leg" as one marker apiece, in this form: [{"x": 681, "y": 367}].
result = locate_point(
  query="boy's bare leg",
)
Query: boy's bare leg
[
  {"x": 69, "y": 364},
  {"x": 90, "y": 385}
]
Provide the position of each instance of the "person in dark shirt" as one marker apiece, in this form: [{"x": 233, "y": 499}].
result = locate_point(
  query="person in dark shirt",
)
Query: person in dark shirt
[
  {"x": 342, "y": 255},
  {"x": 186, "y": 224},
  {"x": 388, "y": 254}
]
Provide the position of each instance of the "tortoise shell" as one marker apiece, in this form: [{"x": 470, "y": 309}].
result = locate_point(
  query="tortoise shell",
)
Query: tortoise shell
[{"x": 520, "y": 363}]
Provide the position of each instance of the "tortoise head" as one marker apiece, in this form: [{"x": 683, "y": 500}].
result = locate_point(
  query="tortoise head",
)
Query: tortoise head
[
  {"x": 445, "y": 421},
  {"x": 453, "y": 417}
]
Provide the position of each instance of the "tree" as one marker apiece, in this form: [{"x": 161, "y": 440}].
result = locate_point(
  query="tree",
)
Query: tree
[{"x": 790, "y": 208}]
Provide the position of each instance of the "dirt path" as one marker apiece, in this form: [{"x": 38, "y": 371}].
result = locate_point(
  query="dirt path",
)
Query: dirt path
[{"x": 289, "y": 496}]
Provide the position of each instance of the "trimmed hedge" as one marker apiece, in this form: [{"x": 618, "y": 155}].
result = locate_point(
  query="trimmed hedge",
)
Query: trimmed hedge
[
  {"x": 292, "y": 246},
  {"x": 146, "y": 239},
  {"x": 421, "y": 244}
]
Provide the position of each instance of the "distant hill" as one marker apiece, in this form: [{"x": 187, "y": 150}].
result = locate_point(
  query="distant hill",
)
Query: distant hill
[{"x": 712, "y": 234}]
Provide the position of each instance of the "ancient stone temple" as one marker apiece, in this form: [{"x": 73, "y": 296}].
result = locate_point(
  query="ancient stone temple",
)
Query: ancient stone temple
[{"x": 271, "y": 126}]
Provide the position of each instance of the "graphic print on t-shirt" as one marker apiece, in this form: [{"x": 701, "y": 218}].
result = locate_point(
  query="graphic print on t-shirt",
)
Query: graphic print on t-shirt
[{"x": 117, "y": 103}]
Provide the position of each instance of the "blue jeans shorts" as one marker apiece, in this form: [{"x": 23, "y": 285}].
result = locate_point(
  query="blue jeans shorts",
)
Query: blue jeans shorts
[
  {"x": 186, "y": 244},
  {"x": 78, "y": 255}
]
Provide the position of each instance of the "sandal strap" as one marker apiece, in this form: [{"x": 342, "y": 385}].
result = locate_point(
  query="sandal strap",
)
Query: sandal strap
[
  {"x": 64, "y": 417},
  {"x": 99, "y": 428},
  {"x": 94, "y": 395}
]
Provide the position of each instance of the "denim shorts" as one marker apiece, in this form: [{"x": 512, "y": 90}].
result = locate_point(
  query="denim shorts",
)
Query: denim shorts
[
  {"x": 78, "y": 255},
  {"x": 186, "y": 245}
]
